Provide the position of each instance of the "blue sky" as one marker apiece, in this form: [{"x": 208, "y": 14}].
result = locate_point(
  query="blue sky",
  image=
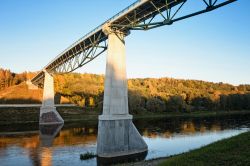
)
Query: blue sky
[{"x": 214, "y": 46}]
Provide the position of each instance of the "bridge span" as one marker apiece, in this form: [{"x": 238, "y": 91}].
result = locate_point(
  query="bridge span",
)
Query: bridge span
[{"x": 117, "y": 135}]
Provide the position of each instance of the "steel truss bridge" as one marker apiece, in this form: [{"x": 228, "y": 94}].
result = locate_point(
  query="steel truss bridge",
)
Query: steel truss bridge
[{"x": 141, "y": 15}]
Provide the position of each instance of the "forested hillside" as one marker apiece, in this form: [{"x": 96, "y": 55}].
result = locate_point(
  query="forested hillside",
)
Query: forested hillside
[
  {"x": 164, "y": 94},
  {"x": 8, "y": 78}
]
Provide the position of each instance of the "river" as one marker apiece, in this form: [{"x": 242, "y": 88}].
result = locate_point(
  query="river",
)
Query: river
[{"x": 62, "y": 145}]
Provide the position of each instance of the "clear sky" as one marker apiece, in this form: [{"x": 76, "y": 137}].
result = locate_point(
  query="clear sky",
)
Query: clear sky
[{"x": 213, "y": 47}]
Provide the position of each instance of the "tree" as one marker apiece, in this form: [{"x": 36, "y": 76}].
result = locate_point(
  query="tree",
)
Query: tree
[
  {"x": 175, "y": 103},
  {"x": 155, "y": 105}
]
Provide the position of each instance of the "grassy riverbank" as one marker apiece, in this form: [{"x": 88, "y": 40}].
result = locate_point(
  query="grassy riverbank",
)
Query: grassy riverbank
[
  {"x": 232, "y": 151},
  {"x": 74, "y": 114}
]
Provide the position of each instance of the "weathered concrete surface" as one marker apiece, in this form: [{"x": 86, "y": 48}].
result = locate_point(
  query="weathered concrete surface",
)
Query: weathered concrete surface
[
  {"x": 48, "y": 113},
  {"x": 115, "y": 92},
  {"x": 117, "y": 135},
  {"x": 118, "y": 138}
]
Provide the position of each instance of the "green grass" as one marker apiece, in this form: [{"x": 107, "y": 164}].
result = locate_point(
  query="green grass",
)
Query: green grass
[{"x": 232, "y": 151}]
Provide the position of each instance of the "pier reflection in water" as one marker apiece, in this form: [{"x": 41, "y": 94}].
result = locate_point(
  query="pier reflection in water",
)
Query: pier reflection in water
[
  {"x": 167, "y": 136},
  {"x": 47, "y": 134}
]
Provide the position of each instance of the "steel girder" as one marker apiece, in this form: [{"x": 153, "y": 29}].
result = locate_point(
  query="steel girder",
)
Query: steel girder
[
  {"x": 79, "y": 59},
  {"x": 75, "y": 58},
  {"x": 167, "y": 14},
  {"x": 141, "y": 15}
]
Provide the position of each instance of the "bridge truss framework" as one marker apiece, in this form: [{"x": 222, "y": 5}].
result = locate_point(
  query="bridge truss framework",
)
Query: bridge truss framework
[{"x": 141, "y": 15}]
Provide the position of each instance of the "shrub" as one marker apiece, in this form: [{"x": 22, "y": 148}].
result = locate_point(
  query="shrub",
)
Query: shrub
[{"x": 87, "y": 155}]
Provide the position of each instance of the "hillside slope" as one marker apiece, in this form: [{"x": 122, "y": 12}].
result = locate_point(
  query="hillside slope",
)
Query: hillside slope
[
  {"x": 162, "y": 94},
  {"x": 157, "y": 94},
  {"x": 21, "y": 94}
]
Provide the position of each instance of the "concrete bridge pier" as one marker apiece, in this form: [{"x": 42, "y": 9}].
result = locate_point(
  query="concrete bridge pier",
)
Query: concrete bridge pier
[
  {"x": 117, "y": 135},
  {"x": 48, "y": 113}
]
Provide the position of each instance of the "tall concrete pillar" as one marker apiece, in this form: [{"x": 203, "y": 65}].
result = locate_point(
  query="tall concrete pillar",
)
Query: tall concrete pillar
[
  {"x": 117, "y": 135},
  {"x": 48, "y": 113}
]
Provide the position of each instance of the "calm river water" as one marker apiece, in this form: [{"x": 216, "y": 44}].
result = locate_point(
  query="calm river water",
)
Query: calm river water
[{"x": 27, "y": 145}]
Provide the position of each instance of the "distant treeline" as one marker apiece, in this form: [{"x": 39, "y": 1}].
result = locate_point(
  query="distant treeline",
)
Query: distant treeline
[
  {"x": 164, "y": 94},
  {"x": 8, "y": 78}
]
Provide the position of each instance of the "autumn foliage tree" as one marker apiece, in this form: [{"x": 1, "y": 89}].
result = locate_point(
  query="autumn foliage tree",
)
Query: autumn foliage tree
[
  {"x": 164, "y": 94},
  {"x": 7, "y": 78}
]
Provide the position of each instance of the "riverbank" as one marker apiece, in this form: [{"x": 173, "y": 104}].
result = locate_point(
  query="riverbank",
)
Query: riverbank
[
  {"x": 20, "y": 115},
  {"x": 231, "y": 151}
]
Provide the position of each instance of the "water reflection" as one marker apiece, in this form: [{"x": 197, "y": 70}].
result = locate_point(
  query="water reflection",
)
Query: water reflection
[
  {"x": 167, "y": 136},
  {"x": 47, "y": 133}
]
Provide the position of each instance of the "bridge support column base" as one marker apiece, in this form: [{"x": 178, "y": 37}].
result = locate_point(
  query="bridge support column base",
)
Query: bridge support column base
[
  {"x": 119, "y": 138},
  {"x": 48, "y": 113},
  {"x": 50, "y": 116}
]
